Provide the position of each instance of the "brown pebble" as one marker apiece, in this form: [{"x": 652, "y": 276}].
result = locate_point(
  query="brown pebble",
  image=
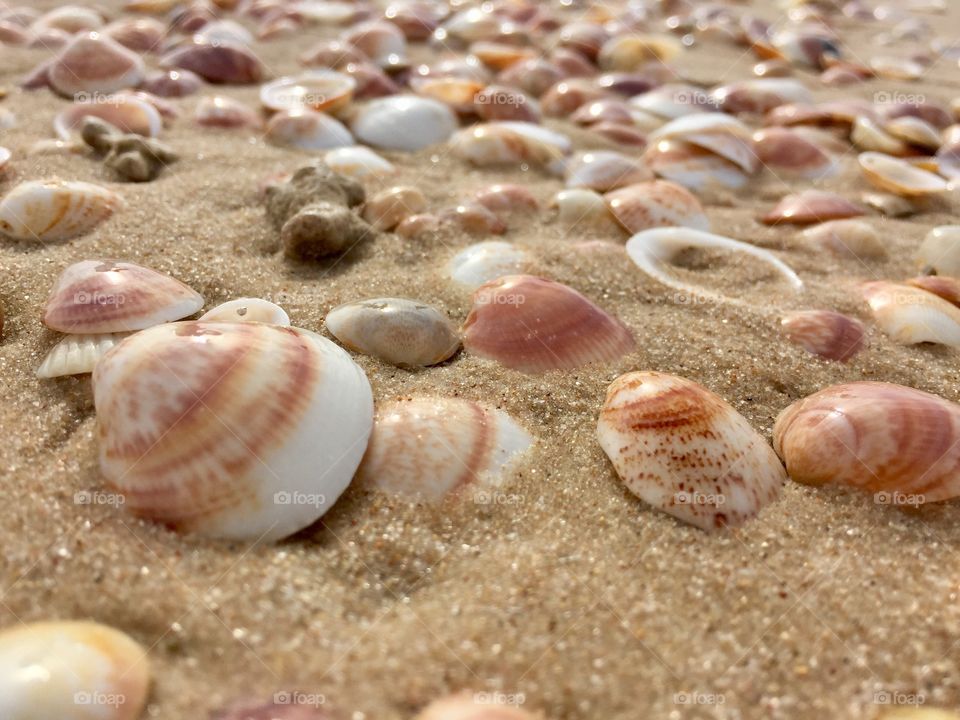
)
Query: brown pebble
[
  {"x": 322, "y": 229},
  {"x": 309, "y": 185}
]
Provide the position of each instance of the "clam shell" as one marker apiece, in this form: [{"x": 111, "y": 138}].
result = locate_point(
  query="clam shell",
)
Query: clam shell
[
  {"x": 660, "y": 203},
  {"x": 509, "y": 143},
  {"x": 247, "y": 310},
  {"x": 568, "y": 95},
  {"x": 692, "y": 166},
  {"x": 474, "y": 219},
  {"x": 910, "y": 315},
  {"x": 71, "y": 671},
  {"x": 535, "y": 76},
  {"x": 458, "y": 93},
  {"x": 5, "y": 156},
  {"x": 220, "y": 111},
  {"x": 916, "y": 131},
  {"x": 485, "y": 261},
  {"x": 506, "y": 198},
  {"x": 217, "y": 62},
  {"x": 77, "y": 354},
  {"x": 172, "y": 83},
  {"x": 874, "y": 436},
  {"x": 940, "y": 251},
  {"x": 404, "y": 122},
  {"x": 760, "y": 95},
  {"x": 534, "y": 325},
  {"x": 93, "y": 63},
  {"x": 358, "y": 162},
  {"x": 499, "y": 102},
  {"x": 890, "y": 205},
  {"x": 70, "y": 19},
  {"x": 626, "y": 53},
  {"x": 406, "y": 333},
  {"x": 103, "y": 296},
  {"x": 867, "y": 134},
  {"x": 499, "y": 56},
  {"x": 54, "y": 210},
  {"x": 325, "y": 90},
  {"x": 784, "y": 150},
  {"x": 585, "y": 209},
  {"x": 127, "y": 113},
  {"x": 672, "y": 101},
  {"x": 853, "y": 238},
  {"x": 305, "y": 129},
  {"x": 829, "y": 334},
  {"x": 721, "y": 134},
  {"x": 434, "y": 448},
  {"x": 604, "y": 170},
  {"x": 686, "y": 451},
  {"x": 142, "y": 35},
  {"x": 947, "y": 288},
  {"x": 387, "y": 209},
  {"x": 811, "y": 206},
  {"x": 899, "y": 177},
  {"x": 230, "y": 430},
  {"x": 382, "y": 42}
]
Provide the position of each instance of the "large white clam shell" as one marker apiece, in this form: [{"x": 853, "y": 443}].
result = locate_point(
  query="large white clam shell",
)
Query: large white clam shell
[
  {"x": 231, "y": 430},
  {"x": 248, "y": 310},
  {"x": 484, "y": 261},
  {"x": 437, "y": 447},
  {"x": 77, "y": 354},
  {"x": 404, "y": 122},
  {"x": 71, "y": 671},
  {"x": 686, "y": 451},
  {"x": 43, "y": 210}
]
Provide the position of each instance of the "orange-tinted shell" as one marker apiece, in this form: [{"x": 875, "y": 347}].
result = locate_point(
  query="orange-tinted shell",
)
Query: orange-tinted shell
[
  {"x": 534, "y": 325},
  {"x": 829, "y": 334},
  {"x": 811, "y": 206},
  {"x": 660, "y": 203},
  {"x": 946, "y": 287}
]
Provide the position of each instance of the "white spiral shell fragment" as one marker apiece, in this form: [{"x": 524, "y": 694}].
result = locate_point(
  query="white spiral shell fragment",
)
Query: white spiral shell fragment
[
  {"x": 230, "y": 430},
  {"x": 77, "y": 354},
  {"x": 52, "y": 210}
]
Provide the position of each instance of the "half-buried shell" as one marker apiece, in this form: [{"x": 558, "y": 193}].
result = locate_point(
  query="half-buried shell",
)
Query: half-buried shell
[
  {"x": 660, "y": 203},
  {"x": 829, "y": 334},
  {"x": 248, "y": 310},
  {"x": 910, "y": 315},
  {"x": 53, "y": 210},
  {"x": 77, "y": 354}
]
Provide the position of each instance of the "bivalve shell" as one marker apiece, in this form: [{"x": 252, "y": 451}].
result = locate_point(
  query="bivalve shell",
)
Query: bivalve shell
[
  {"x": 305, "y": 129},
  {"x": 660, "y": 203},
  {"x": 910, "y": 315},
  {"x": 93, "y": 63},
  {"x": 387, "y": 209},
  {"x": 219, "y": 111},
  {"x": 829, "y": 334},
  {"x": 51, "y": 210},
  {"x": 719, "y": 133},
  {"x": 485, "y": 261},
  {"x": 127, "y": 113},
  {"x": 811, "y": 206},
  {"x": 404, "y": 122},
  {"x": 604, "y": 170},
  {"x": 940, "y": 251},
  {"x": 77, "y": 354},
  {"x": 852, "y": 238},
  {"x": 248, "y": 310},
  {"x": 217, "y": 62},
  {"x": 511, "y": 143},
  {"x": 325, "y": 90},
  {"x": 899, "y": 177}
]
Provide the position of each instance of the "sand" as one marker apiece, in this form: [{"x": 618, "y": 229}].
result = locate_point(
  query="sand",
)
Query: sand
[{"x": 568, "y": 591}]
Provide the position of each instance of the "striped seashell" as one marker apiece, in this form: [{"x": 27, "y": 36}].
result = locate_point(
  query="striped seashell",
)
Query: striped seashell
[
  {"x": 77, "y": 354},
  {"x": 127, "y": 113},
  {"x": 248, "y": 310},
  {"x": 304, "y": 129},
  {"x": 898, "y": 442},
  {"x": 93, "y": 63},
  {"x": 686, "y": 451},
  {"x": 106, "y": 296},
  {"x": 854, "y": 239},
  {"x": 940, "y": 251},
  {"x": 52, "y": 210},
  {"x": 534, "y": 325},
  {"x": 508, "y": 143},
  {"x": 721, "y": 134},
  {"x": 218, "y": 429},
  {"x": 899, "y": 177},
  {"x": 910, "y": 315},
  {"x": 829, "y": 334},
  {"x": 217, "y": 62},
  {"x": 604, "y": 170},
  {"x": 485, "y": 261},
  {"x": 784, "y": 150},
  {"x": 325, "y": 90},
  {"x": 811, "y": 206},
  {"x": 656, "y": 204},
  {"x": 947, "y": 288},
  {"x": 759, "y": 95},
  {"x": 691, "y": 166},
  {"x": 387, "y": 209},
  {"x": 404, "y": 122}
]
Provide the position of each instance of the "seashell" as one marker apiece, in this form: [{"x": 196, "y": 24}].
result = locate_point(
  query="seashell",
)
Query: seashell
[
  {"x": 568, "y": 95},
  {"x": 890, "y": 205},
  {"x": 691, "y": 166},
  {"x": 585, "y": 209},
  {"x": 811, "y": 206},
  {"x": 631, "y": 84},
  {"x": 13, "y": 34},
  {"x": 385, "y": 210},
  {"x": 829, "y": 334},
  {"x": 604, "y": 170},
  {"x": 330, "y": 54},
  {"x": 840, "y": 76},
  {"x": 809, "y": 45},
  {"x": 875, "y": 436},
  {"x": 306, "y": 129},
  {"x": 854, "y": 239},
  {"x": 660, "y": 203},
  {"x": 759, "y": 95},
  {"x": 418, "y": 225},
  {"x": 436, "y": 448},
  {"x": 899, "y": 177},
  {"x": 382, "y": 42},
  {"x": 223, "y": 31},
  {"x": 915, "y": 131},
  {"x": 474, "y": 219},
  {"x": 910, "y": 315},
  {"x": 93, "y": 63},
  {"x": 586, "y": 38},
  {"x": 126, "y": 113},
  {"x": 534, "y": 325},
  {"x": 467, "y": 706},
  {"x": 611, "y": 110},
  {"x": 506, "y": 142},
  {"x": 686, "y": 451},
  {"x": 672, "y": 101},
  {"x": 172, "y": 83},
  {"x": 934, "y": 113},
  {"x": 404, "y": 122},
  {"x": 55, "y": 210},
  {"x": 77, "y": 354},
  {"x": 247, "y": 310},
  {"x": 416, "y": 20},
  {"x": 4, "y": 158},
  {"x": 838, "y": 113},
  {"x": 485, "y": 261},
  {"x": 620, "y": 135},
  {"x": 401, "y": 332},
  {"x": 470, "y": 25},
  {"x": 894, "y": 68},
  {"x": 499, "y": 56},
  {"x": 948, "y": 160},
  {"x": 325, "y": 90},
  {"x": 942, "y": 286},
  {"x": 499, "y": 102},
  {"x": 358, "y": 162},
  {"x": 456, "y": 92},
  {"x": 506, "y": 198},
  {"x": 940, "y": 251},
  {"x": 142, "y": 35},
  {"x": 102, "y": 296},
  {"x": 277, "y": 404},
  {"x": 784, "y": 150},
  {"x": 71, "y": 19},
  {"x": 772, "y": 68},
  {"x": 626, "y": 53},
  {"x": 534, "y": 77},
  {"x": 572, "y": 64},
  {"x": 721, "y": 134},
  {"x": 867, "y": 134},
  {"x": 48, "y": 669},
  {"x": 283, "y": 705},
  {"x": 217, "y": 62},
  {"x": 219, "y": 111}
]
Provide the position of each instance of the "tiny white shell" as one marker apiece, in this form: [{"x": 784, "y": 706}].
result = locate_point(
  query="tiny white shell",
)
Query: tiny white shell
[{"x": 77, "y": 354}]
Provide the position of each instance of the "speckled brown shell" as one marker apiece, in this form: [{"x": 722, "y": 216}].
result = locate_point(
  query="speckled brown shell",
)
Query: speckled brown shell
[
  {"x": 829, "y": 334},
  {"x": 875, "y": 436},
  {"x": 686, "y": 451}
]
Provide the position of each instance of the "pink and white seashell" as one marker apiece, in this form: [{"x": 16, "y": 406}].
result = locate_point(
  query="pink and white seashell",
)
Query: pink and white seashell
[
  {"x": 485, "y": 261},
  {"x": 852, "y": 238},
  {"x": 829, "y": 334},
  {"x": 93, "y": 63},
  {"x": 811, "y": 206},
  {"x": 691, "y": 166},
  {"x": 55, "y": 210},
  {"x": 77, "y": 354},
  {"x": 686, "y": 451},
  {"x": 248, "y": 310},
  {"x": 721, "y": 134},
  {"x": 507, "y": 198},
  {"x": 172, "y": 83},
  {"x": 142, "y": 35},
  {"x": 604, "y": 170},
  {"x": 325, "y": 90},
  {"x": 942, "y": 286},
  {"x": 784, "y": 150},
  {"x": 388, "y": 208},
  {"x": 358, "y": 162},
  {"x": 899, "y": 177},
  {"x": 305, "y": 129},
  {"x": 660, "y": 203},
  {"x": 127, "y": 113},
  {"x": 220, "y": 62},
  {"x": 511, "y": 143},
  {"x": 910, "y": 315},
  {"x": 220, "y": 111},
  {"x": 474, "y": 219}
]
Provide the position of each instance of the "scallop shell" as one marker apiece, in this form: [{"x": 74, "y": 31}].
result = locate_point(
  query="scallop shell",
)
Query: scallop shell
[
  {"x": 899, "y": 177},
  {"x": 940, "y": 251},
  {"x": 651, "y": 249},
  {"x": 239, "y": 431},
  {"x": 387, "y": 209},
  {"x": 692, "y": 166},
  {"x": 127, "y": 113},
  {"x": 77, "y": 354},
  {"x": 534, "y": 325},
  {"x": 853, "y": 238},
  {"x": 889, "y": 439},
  {"x": 910, "y": 315},
  {"x": 217, "y": 62},
  {"x": 686, "y": 451},
  {"x": 721, "y": 134},
  {"x": 103, "y": 296},
  {"x": 404, "y": 122},
  {"x": 947, "y": 288},
  {"x": 511, "y": 143},
  {"x": 305, "y": 129},
  {"x": 433, "y": 448},
  {"x": 660, "y": 203},
  {"x": 783, "y": 150},
  {"x": 54, "y": 210},
  {"x": 172, "y": 83},
  {"x": 325, "y": 90},
  {"x": 248, "y": 310},
  {"x": 71, "y": 671},
  {"x": 358, "y": 162},
  {"x": 811, "y": 206},
  {"x": 604, "y": 170},
  {"x": 829, "y": 334},
  {"x": 585, "y": 209},
  {"x": 485, "y": 261},
  {"x": 220, "y": 111},
  {"x": 402, "y": 332},
  {"x": 93, "y": 63}
]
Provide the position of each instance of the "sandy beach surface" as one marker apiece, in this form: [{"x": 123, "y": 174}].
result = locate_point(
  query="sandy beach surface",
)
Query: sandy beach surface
[{"x": 564, "y": 590}]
